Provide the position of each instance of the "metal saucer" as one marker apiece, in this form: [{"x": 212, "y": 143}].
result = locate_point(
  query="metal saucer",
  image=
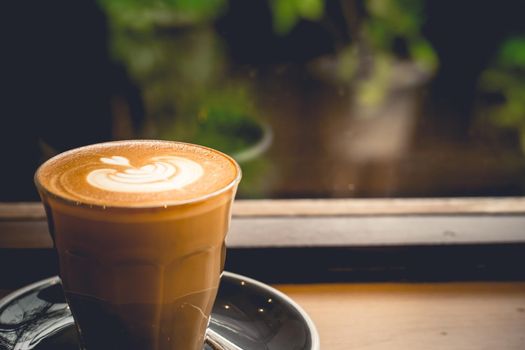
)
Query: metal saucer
[{"x": 247, "y": 313}]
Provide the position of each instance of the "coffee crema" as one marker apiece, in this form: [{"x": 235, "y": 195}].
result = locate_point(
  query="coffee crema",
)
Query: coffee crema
[{"x": 137, "y": 173}]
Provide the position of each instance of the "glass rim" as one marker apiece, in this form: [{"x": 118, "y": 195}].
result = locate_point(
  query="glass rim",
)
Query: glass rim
[{"x": 165, "y": 204}]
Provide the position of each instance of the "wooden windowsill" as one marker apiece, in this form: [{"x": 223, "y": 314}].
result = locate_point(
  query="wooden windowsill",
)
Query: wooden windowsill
[
  {"x": 322, "y": 223},
  {"x": 459, "y": 316},
  {"x": 331, "y": 207}
]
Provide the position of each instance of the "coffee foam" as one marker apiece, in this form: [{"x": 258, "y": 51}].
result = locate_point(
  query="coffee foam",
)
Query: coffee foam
[
  {"x": 162, "y": 174},
  {"x": 137, "y": 173}
]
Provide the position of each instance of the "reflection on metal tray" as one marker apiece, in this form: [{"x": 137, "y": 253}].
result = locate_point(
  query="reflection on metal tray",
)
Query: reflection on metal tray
[{"x": 247, "y": 314}]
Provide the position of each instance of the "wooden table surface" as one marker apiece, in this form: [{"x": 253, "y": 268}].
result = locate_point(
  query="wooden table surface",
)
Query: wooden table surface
[
  {"x": 456, "y": 316},
  {"x": 414, "y": 316}
]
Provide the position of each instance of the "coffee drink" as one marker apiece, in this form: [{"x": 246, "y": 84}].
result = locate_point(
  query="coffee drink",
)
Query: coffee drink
[{"x": 139, "y": 227}]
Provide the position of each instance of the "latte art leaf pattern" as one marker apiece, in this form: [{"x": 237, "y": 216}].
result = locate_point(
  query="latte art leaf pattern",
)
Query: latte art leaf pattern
[{"x": 161, "y": 174}]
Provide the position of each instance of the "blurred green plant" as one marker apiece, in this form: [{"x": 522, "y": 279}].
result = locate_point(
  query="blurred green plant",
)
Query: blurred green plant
[
  {"x": 139, "y": 38},
  {"x": 286, "y": 13},
  {"x": 172, "y": 51},
  {"x": 507, "y": 77},
  {"x": 226, "y": 120},
  {"x": 145, "y": 15},
  {"x": 512, "y": 53},
  {"x": 371, "y": 92},
  {"x": 387, "y": 20},
  {"x": 181, "y": 73},
  {"x": 391, "y": 19}
]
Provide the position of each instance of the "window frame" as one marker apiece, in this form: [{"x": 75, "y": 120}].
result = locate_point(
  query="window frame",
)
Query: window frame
[{"x": 336, "y": 240}]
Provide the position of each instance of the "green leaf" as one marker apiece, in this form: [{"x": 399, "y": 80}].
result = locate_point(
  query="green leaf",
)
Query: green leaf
[
  {"x": 512, "y": 52},
  {"x": 311, "y": 9},
  {"x": 285, "y": 15}
]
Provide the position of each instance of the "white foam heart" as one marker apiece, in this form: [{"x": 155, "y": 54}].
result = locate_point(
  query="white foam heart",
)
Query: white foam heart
[{"x": 161, "y": 174}]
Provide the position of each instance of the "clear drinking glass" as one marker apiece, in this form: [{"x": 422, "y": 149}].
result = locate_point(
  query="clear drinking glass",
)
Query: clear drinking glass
[{"x": 141, "y": 278}]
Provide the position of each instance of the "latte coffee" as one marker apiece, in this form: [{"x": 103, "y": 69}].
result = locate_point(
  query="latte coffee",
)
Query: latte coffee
[{"x": 139, "y": 227}]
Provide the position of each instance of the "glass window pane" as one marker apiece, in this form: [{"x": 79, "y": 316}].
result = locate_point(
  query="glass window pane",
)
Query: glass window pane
[{"x": 314, "y": 98}]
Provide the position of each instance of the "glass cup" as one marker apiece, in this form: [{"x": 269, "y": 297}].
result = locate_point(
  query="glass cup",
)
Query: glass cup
[{"x": 141, "y": 278}]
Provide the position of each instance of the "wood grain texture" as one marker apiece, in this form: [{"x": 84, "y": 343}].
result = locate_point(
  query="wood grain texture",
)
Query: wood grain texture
[
  {"x": 459, "y": 316},
  {"x": 330, "y": 207}
]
